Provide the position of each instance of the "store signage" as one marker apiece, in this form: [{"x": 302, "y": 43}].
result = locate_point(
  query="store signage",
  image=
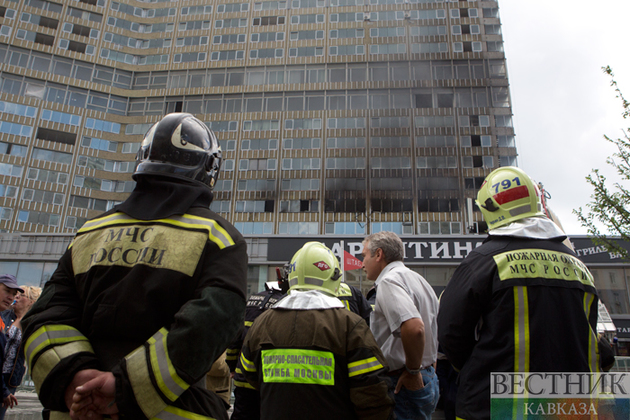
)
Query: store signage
[
  {"x": 589, "y": 252},
  {"x": 623, "y": 327},
  {"x": 443, "y": 250},
  {"x": 451, "y": 250}
]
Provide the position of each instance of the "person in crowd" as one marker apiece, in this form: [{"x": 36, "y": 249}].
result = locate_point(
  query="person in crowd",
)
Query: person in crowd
[
  {"x": 219, "y": 380},
  {"x": 354, "y": 301},
  {"x": 147, "y": 296},
  {"x": 521, "y": 302},
  {"x": 13, "y": 367},
  {"x": 404, "y": 324},
  {"x": 8, "y": 292},
  {"x": 246, "y": 398},
  {"x": 311, "y": 358}
]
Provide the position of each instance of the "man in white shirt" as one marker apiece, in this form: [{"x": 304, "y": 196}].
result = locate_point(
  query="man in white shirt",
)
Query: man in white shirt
[{"x": 404, "y": 323}]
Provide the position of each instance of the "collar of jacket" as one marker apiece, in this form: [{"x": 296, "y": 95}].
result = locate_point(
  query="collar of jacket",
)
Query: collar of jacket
[
  {"x": 157, "y": 198},
  {"x": 531, "y": 227},
  {"x": 308, "y": 299}
]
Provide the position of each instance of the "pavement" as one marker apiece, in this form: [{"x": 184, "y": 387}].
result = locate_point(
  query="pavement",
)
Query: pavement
[{"x": 29, "y": 408}]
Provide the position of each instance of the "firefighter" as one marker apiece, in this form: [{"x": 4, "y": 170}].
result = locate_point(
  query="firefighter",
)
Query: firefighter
[
  {"x": 521, "y": 302},
  {"x": 311, "y": 358},
  {"x": 354, "y": 301},
  {"x": 245, "y": 396},
  {"x": 147, "y": 295}
]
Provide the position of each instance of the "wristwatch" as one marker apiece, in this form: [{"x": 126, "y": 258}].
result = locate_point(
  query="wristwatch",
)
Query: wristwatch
[{"x": 413, "y": 371}]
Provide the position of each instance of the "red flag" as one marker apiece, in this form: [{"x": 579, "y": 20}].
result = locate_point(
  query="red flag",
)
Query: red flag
[{"x": 351, "y": 263}]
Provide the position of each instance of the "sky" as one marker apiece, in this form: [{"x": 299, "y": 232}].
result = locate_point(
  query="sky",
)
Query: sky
[{"x": 562, "y": 101}]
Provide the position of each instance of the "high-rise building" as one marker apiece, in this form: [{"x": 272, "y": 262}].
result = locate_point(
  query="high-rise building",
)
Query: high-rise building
[{"x": 336, "y": 117}]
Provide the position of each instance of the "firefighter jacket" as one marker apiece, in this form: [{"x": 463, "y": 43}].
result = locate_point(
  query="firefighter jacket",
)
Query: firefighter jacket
[
  {"x": 153, "y": 301},
  {"x": 255, "y": 306},
  {"x": 311, "y": 358},
  {"x": 517, "y": 304},
  {"x": 245, "y": 396},
  {"x": 354, "y": 301}
]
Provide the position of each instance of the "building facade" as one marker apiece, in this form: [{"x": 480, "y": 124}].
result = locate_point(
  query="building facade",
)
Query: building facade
[{"x": 336, "y": 117}]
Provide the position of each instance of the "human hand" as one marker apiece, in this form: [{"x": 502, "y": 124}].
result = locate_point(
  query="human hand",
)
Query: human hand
[
  {"x": 95, "y": 398},
  {"x": 9, "y": 401},
  {"x": 410, "y": 382},
  {"x": 79, "y": 379}
]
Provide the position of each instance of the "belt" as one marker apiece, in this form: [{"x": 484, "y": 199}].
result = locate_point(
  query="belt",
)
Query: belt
[{"x": 399, "y": 372}]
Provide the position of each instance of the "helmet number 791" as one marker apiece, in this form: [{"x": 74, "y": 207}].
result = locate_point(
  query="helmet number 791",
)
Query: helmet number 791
[{"x": 506, "y": 184}]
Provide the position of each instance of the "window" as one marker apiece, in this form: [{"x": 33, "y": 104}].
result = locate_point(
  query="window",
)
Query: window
[
  {"x": 345, "y": 163},
  {"x": 298, "y": 228},
  {"x": 299, "y": 206},
  {"x": 227, "y": 55},
  {"x": 266, "y": 53},
  {"x": 503, "y": 120},
  {"x": 45, "y": 175},
  {"x": 346, "y": 50},
  {"x": 38, "y": 218},
  {"x": 345, "y": 184},
  {"x": 388, "y": 48},
  {"x": 388, "y": 31},
  {"x": 251, "y": 125},
  {"x": 301, "y": 163},
  {"x": 258, "y": 144},
  {"x": 431, "y": 162},
  {"x": 439, "y": 228},
  {"x": 13, "y": 149},
  {"x": 345, "y": 228},
  {"x": 257, "y": 165},
  {"x": 389, "y": 142},
  {"x": 438, "y": 204},
  {"x": 506, "y": 141},
  {"x": 395, "y": 162},
  {"x": 345, "y": 142},
  {"x": 223, "y": 39},
  {"x": 301, "y": 35},
  {"x": 429, "y": 47},
  {"x": 474, "y": 121},
  {"x": 268, "y": 20},
  {"x": 303, "y": 124},
  {"x": 478, "y": 161},
  {"x": 495, "y": 46},
  {"x": 254, "y": 228},
  {"x": 230, "y": 23},
  {"x": 346, "y": 122},
  {"x": 251, "y": 206},
  {"x": 52, "y": 156},
  {"x": 391, "y": 205},
  {"x": 347, "y": 33},
  {"x": 434, "y": 121},
  {"x": 396, "y": 227},
  {"x": 220, "y": 206},
  {"x": 306, "y": 52},
  {"x": 301, "y": 143},
  {"x": 256, "y": 185},
  {"x": 476, "y": 141},
  {"x": 105, "y": 164},
  {"x": 435, "y": 141},
  {"x": 8, "y": 191},
  {"x": 300, "y": 184},
  {"x": 303, "y": 19},
  {"x": 232, "y": 7},
  {"x": 507, "y": 160},
  {"x": 389, "y": 122}
]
